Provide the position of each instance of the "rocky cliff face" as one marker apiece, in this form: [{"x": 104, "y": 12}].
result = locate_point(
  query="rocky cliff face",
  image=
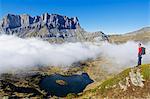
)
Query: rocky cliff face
[
  {"x": 51, "y": 21},
  {"x": 51, "y": 27}
]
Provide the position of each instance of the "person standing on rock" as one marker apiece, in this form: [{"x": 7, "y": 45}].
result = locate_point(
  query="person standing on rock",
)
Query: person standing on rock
[
  {"x": 139, "y": 54},
  {"x": 141, "y": 51}
]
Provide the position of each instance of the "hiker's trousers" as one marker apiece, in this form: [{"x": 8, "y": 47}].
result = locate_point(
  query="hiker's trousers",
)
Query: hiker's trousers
[{"x": 139, "y": 60}]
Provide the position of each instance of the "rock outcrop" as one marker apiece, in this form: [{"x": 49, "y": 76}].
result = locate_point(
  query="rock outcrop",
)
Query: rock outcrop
[
  {"x": 135, "y": 78},
  {"x": 51, "y": 27}
]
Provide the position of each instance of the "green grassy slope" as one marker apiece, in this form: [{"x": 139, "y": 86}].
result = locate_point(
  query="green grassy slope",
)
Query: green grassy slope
[{"x": 110, "y": 87}]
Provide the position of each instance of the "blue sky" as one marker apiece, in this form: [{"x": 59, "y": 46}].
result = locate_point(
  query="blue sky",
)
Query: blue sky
[{"x": 109, "y": 16}]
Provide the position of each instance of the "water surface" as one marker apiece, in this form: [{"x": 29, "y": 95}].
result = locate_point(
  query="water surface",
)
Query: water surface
[{"x": 60, "y": 85}]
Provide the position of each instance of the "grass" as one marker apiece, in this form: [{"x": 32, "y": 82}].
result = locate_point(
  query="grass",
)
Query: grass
[
  {"x": 110, "y": 82},
  {"x": 113, "y": 81},
  {"x": 145, "y": 71}
]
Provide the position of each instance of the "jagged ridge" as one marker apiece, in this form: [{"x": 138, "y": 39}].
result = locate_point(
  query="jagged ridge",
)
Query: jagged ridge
[
  {"x": 51, "y": 27},
  {"x": 52, "y": 21}
]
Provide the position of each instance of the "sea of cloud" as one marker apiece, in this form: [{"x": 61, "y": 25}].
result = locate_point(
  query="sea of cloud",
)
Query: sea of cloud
[{"x": 17, "y": 53}]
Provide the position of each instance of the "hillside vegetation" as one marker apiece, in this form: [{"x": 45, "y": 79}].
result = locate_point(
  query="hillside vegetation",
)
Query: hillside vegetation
[{"x": 122, "y": 85}]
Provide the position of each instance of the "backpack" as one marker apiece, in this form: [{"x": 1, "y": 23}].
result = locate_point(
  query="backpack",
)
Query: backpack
[{"x": 143, "y": 50}]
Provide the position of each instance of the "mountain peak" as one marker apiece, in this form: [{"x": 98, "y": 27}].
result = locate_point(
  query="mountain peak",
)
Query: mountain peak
[
  {"x": 51, "y": 27},
  {"x": 12, "y": 21}
]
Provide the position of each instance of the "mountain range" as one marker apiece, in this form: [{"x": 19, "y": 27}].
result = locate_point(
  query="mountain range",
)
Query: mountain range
[
  {"x": 58, "y": 29},
  {"x": 51, "y": 27}
]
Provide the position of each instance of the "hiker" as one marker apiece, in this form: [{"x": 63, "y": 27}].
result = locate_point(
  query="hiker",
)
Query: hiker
[
  {"x": 141, "y": 51},
  {"x": 139, "y": 54}
]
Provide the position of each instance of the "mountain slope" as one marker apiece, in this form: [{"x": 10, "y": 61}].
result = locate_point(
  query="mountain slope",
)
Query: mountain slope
[
  {"x": 130, "y": 83},
  {"x": 142, "y": 35}
]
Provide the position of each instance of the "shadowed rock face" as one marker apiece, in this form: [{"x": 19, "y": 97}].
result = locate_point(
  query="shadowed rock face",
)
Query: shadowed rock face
[
  {"x": 50, "y": 27},
  {"x": 74, "y": 84},
  {"x": 51, "y": 21}
]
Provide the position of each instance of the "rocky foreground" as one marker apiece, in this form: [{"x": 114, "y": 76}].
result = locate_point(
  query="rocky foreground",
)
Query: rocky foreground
[{"x": 129, "y": 84}]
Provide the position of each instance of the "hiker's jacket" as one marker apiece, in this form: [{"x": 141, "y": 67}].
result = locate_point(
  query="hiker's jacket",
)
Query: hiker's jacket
[{"x": 140, "y": 51}]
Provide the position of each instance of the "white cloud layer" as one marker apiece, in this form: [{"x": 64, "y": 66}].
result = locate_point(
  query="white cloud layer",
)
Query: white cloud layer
[{"x": 18, "y": 54}]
